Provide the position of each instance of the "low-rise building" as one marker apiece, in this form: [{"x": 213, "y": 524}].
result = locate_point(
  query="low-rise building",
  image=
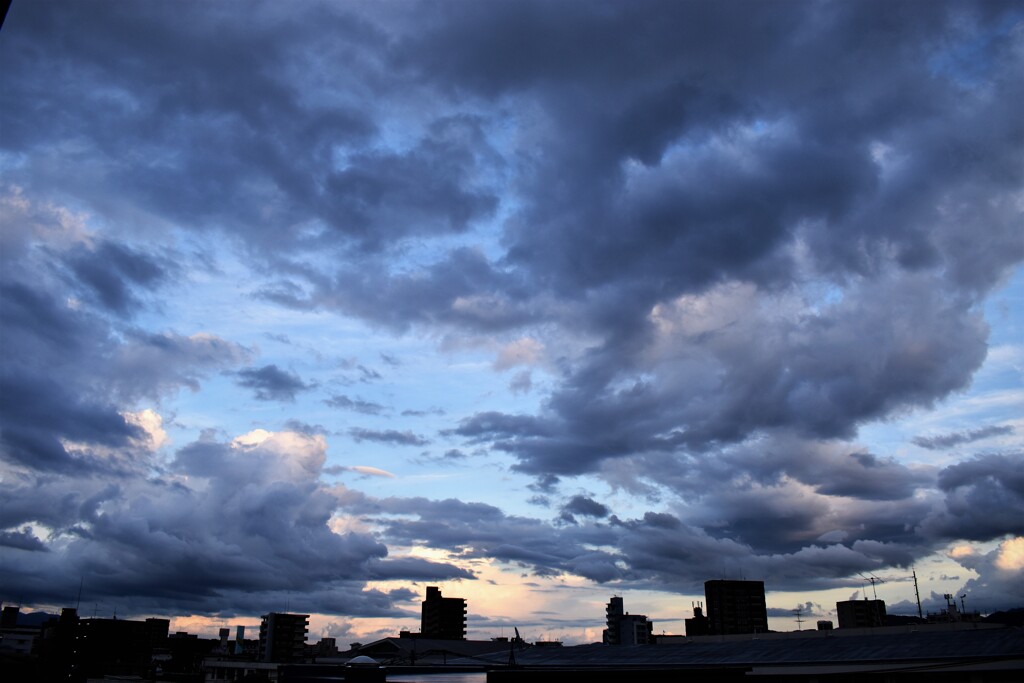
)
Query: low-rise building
[
  {"x": 624, "y": 628},
  {"x": 861, "y": 613}
]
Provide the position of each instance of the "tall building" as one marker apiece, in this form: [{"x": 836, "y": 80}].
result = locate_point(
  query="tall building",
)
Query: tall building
[
  {"x": 613, "y": 611},
  {"x": 861, "y": 613},
  {"x": 736, "y": 607},
  {"x": 443, "y": 618},
  {"x": 283, "y": 637},
  {"x": 624, "y": 628}
]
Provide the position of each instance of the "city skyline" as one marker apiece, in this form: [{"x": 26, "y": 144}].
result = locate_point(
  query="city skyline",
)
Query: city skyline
[{"x": 305, "y": 308}]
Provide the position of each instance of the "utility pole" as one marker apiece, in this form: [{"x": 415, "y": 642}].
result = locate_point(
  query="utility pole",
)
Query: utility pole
[{"x": 918, "y": 594}]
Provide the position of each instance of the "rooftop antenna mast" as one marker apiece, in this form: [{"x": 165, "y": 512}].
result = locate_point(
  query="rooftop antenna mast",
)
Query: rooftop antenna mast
[{"x": 873, "y": 580}]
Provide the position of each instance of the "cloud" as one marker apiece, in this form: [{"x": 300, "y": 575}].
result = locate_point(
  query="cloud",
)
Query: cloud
[
  {"x": 423, "y": 413},
  {"x": 525, "y": 351},
  {"x": 388, "y": 436},
  {"x": 954, "y": 439},
  {"x": 233, "y": 527},
  {"x": 301, "y": 427},
  {"x": 355, "y": 405},
  {"x": 22, "y": 540},
  {"x": 727, "y": 263},
  {"x": 807, "y": 610},
  {"x": 150, "y": 423},
  {"x": 416, "y": 569},
  {"x": 682, "y": 388},
  {"x": 270, "y": 383},
  {"x": 584, "y": 507},
  {"x": 365, "y": 470},
  {"x": 984, "y": 498},
  {"x": 1000, "y": 575},
  {"x": 110, "y": 271},
  {"x": 521, "y": 383},
  {"x": 46, "y": 338},
  {"x": 831, "y": 468},
  {"x": 154, "y": 364}
]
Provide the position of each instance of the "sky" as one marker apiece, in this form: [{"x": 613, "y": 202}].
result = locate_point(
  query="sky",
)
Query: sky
[{"x": 306, "y": 306}]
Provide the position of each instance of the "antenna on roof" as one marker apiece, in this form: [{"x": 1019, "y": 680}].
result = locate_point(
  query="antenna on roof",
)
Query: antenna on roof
[{"x": 873, "y": 579}]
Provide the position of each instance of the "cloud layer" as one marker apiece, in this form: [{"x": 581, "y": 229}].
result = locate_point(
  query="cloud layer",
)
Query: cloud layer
[{"x": 708, "y": 243}]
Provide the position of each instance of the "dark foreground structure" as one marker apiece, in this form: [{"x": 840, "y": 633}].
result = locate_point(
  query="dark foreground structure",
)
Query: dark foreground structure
[
  {"x": 735, "y": 607},
  {"x": 443, "y": 618},
  {"x": 897, "y": 655}
]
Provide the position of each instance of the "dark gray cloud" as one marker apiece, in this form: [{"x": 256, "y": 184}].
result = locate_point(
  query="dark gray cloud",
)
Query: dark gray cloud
[
  {"x": 584, "y": 507},
  {"x": 658, "y": 550},
  {"x": 478, "y": 530},
  {"x": 389, "y": 436},
  {"x": 953, "y": 439},
  {"x": 45, "y": 339},
  {"x": 661, "y": 165},
  {"x": 463, "y": 289},
  {"x": 984, "y": 498},
  {"x": 735, "y": 171},
  {"x": 233, "y": 527},
  {"x": 22, "y": 540},
  {"x": 110, "y": 271},
  {"x": 704, "y": 387},
  {"x": 212, "y": 102},
  {"x": 415, "y": 569},
  {"x": 832, "y": 469},
  {"x": 270, "y": 383}
]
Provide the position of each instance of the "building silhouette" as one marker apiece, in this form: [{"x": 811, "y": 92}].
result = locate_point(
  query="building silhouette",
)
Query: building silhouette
[
  {"x": 861, "y": 613},
  {"x": 736, "y": 607},
  {"x": 442, "y": 618},
  {"x": 698, "y": 624},
  {"x": 624, "y": 628},
  {"x": 283, "y": 637},
  {"x": 9, "y": 617}
]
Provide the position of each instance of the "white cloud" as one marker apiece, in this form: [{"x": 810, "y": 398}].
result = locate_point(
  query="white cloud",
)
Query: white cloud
[
  {"x": 150, "y": 422},
  {"x": 1010, "y": 557},
  {"x": 300, "y": 456}
]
